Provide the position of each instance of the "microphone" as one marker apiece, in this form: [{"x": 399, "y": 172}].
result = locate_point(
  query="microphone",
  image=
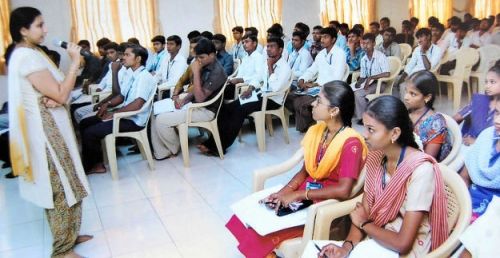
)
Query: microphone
[{"x": 64, "y": 45}]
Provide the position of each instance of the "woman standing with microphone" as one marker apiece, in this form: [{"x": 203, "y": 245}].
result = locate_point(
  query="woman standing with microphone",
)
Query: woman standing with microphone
[{"x": 43, "y": 147}]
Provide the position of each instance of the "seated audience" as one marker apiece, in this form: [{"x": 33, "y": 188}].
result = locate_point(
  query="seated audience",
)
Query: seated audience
[
  {"x": 237, "y": 50},
  {"x": 174, "y": 65},
  {"x": 341, "y": 40},
  {"x": 91, "y": 67},
  {"x": 103, "y": 60},
  {"x": 388, "y": 46},
  {"x": 329, "y": 65},
  {"x": 207, "y": 34},
  {"x": 374, "y": 65},
  {"x": 404, "y": 206},
  {"x": 385, "y": 23},
  {"x": 304, "y": 29},
  {"x": 275, "y": 78},
  {"x": 425, "y": 57},
  {"x": 482, "y": 166},
  {"x": 432, "y": 21},
  {"x": 459, "y": 41},
  {"x": 414, "y": 24},
  {"x": 299, "y": 59},
  {"x": 334, "y": 155},
  {"x": 253, "y": 31},
  {"x": 159, "y": 55},
  {"x": 353, "y": 50},
  {"x": 430, "y": 126},
  {"x": 406, "y": 35},
  {"x": 360, "y": 28},
  {"x": 316, "y": 41},
  {"x": 207, "y": 78},
  {"x": 478, "y": 115},
  {"x": 452, "y": 26},
  {"x": 250, "y": 70},
  {"x": 482, "y": 36},
  {"x": 223, "y": 57},
  {"x": 437, "y": 31},
  {"x": 375, "y": 30},
  {"x": 139, "y": 89}
]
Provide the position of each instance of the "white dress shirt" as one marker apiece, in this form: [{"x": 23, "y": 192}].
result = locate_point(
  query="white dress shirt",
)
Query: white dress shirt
[
  {"x": 172, "y": 70},
  {"x": 454, "y": 46},
  {"x": 140, "y": 84},
  {"x": 251, "y": 69},
  {"x": 377, "y": 65},
  {"x": 480, "y": 40},
  {"x": 416, "y": 64},
  {"x": 328, "y": 66},
  {"x": 299, "y": 61},
  {"x": 237, "y": 51},
  {"x": 106, "y": 83},
  {"x": 278, "y": 80}
]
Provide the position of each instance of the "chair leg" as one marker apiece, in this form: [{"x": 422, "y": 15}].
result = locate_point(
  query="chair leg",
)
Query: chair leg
[
  {"x": 284, "y": 124},
  {"x": 239, "y": 136},
  {"x": 269, "y": 124},
  {"x": 469, "y": 91},
  {"x": 143, "y": 144},
  {"x": 457, "y": 93},
  {"x": 183, "y": 137},
  {"x": 216, "y": 136},
  {"x": 111, "y": 153},
  {"x": 260, "y": 131}
]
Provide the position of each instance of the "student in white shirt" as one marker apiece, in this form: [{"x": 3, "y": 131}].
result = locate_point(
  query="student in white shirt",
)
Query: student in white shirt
[
  {"x": 482, "y": 36},
  {"x": 255, "y": 32},
  {"x": 374, "y": 65},
  {"x": 375, "y": 30},
  {"x": 329, "y": 65},
  {"x": 300, "y": 58},
  {"x": 237, "y": 50},
  {"x": 275, "y": 78},
  {"x": 141, "y": 87},
  {"x": 460, "y": 40},
  {"x": 160, "y": 53},
  {"x": 173, "y": 65},
  {"x": 250, "y": 70},
  {"x": 425, "y": 57}
]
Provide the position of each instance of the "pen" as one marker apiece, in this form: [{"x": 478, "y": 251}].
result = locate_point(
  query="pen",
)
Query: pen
[{"x": 317, "y": 247}]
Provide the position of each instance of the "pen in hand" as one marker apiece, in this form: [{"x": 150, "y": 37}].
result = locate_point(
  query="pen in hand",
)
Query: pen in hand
[{"x": 319, "y": 249}]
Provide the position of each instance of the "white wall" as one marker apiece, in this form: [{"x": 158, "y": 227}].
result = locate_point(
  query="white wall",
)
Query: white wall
[
  {"x": 397, "y": 11},
  {"x": 306, "y": 11}
]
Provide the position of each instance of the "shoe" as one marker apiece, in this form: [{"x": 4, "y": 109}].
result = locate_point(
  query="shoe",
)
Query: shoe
[{"x": 10, "y": 175}]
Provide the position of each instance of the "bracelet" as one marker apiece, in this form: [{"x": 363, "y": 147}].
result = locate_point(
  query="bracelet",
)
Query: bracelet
[
  {"x": 307, "y": 192},
  {"x": 350, "y": 242}
]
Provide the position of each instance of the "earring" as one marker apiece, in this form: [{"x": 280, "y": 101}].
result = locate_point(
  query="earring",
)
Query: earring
[
  {"x": 331, "y": 116},
  {"x": 392, "y": 140}
]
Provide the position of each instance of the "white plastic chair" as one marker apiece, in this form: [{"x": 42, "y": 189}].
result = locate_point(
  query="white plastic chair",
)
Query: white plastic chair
[
  {"x": 466, "y": 58},
  {"x": 294, "y": 247},
  {"x": 488, "y": 54},
  {"x": 140, "y": 136},
  {"x": 406, "y": 50},
  {"x": 394, "y": 68},
  {"x": 95, "y": 95},
  {"x": 209, "y": 125},
  {"x": 456, "y": 136}
]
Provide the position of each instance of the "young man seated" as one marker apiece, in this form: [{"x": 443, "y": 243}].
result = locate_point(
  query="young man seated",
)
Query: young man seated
[
  {"x": 255, "y": 32},
  {"x": 316, "y": 42},
  {"x": 223, "y": 57},
  {"x": 459, "y": 41},
  {"x": 437, "y": 30},
  {"x": 274, "y": 79},
  {"x": 329, "y": 65},
  {"x": 206, "y": 78},
  {"x": 299, "y": 59},
  {"x": 388, "y": 46},
  {"x": 353, "y": 50},
  {"x": 425, "y": 57},
  {"x": 91, "y": 66},
  {"x": 138, "y": 89},
  {"x": 251, "y": 68},
  {"x": 156, "y": 60},
  {"x": 406, "y": 35},
  {"x": 385, "y": 23},
  {"x": 237, "y": 51},
  {"x": 375, "y": 30},
  {"x": 104, "y": 61},
  {"x": 482, "y": 36},
  {"x": 304, "y": 29},
  {"x": 174, "y": 65},
  {"x": 374, "y": 65}
]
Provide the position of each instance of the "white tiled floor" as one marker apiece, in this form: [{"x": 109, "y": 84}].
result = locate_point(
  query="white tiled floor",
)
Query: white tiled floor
[{"x": 169, "y": 212}]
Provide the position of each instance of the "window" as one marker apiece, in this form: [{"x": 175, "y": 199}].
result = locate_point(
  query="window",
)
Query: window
[
  {"x": 117, "y": 20},
  {"x": 351, "y": 12}
]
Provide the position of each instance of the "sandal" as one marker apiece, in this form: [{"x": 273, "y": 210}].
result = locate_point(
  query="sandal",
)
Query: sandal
[{"x": 83, "y": 238}]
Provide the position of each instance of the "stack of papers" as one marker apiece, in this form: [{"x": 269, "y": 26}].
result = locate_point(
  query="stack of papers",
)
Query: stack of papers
[
  {"x": 365, "y": 248},
  {"x": 167, "y": 105},
  {"x": 252, "y": 98},
  {"x": 262, "y": 219}
]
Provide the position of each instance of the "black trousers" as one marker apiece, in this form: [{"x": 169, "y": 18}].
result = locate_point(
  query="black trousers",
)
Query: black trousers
[
  {"x": 231, "y": 118},
  {"x": 4, "y": 148},
  {"x": 300, "y": 105},
  {"x": 92, "y": 131}
]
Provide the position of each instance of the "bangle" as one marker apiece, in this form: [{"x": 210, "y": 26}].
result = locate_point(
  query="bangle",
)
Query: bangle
[
  {"x": 307, "y": 192},
  {"x": 350, "y": 242}
]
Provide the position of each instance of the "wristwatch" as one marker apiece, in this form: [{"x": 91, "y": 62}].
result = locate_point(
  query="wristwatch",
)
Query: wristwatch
[{"x": 364, "y": 224}]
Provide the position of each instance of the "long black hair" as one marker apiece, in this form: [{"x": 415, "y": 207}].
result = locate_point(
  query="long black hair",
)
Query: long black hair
[
  {"x": 391, "y": 112},
  {"x": 427, "y": 83},
  {"x": 340, "y": 95},
  {"x": 21, "y": 17}
]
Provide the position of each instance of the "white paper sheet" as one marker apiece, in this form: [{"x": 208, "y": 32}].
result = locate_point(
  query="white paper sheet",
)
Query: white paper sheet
[
  {"x": 166, "y": 105},
  {"x": 264, "y": 220},
  {"x": 252, "y": 98}
]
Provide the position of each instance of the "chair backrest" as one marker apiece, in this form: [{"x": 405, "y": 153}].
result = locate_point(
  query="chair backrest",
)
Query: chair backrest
[
  {"x": 459, "y": 211},
  {"x": 218, "y": 96},
  {"x": 395, "y": 65},
  {"x": 488, "y": 54},
  {"x": 466, "y": 58},
  {"x": 286, "y": 89},
  {"x": 346, "y": 72},
  {"x": 236, "y": 66},
  {"x": 456, "y": 139},
  {"x": 405, "y": 51}
]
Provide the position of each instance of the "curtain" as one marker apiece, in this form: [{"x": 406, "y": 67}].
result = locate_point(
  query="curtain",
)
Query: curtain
[
  {"x": 485, "y": 8},
  {"x": 117, "y": 20},
  {"x": 4, "y": 32},
  {"x": 260, "y": 14},
  {"x": 348, "y": 11},
  {"x": 423, "y": 9}
]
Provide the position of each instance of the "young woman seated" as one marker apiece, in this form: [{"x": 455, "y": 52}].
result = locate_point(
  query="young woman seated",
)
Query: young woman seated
[
  {"x": 404, "y": 204},
  {"x": 478, "y": 115},
  {"x": 430, "y": 126},
  {"x": 334, "y": 154}
]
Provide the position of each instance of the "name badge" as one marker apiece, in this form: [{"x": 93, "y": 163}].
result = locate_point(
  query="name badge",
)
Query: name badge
[{"x": 313, "y": 185}]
